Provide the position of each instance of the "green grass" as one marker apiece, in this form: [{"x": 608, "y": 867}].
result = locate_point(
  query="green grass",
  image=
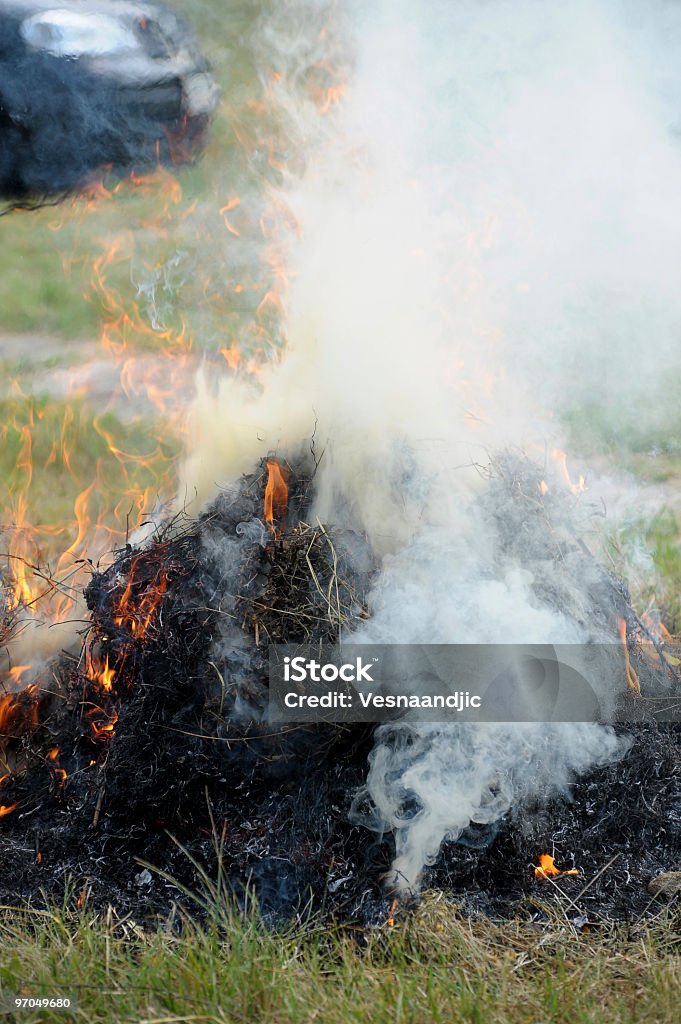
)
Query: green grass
[
  {"x": 432, "y": 966},
  {"x": 654, "y": 541},
  {"x": 651, "y": 543},
  {"x": 35, "y": 294},
  {"x": 622, "y": 430}
]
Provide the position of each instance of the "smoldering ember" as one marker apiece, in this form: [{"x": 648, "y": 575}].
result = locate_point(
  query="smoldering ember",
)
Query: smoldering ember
[{"x": 142, "y": 772}]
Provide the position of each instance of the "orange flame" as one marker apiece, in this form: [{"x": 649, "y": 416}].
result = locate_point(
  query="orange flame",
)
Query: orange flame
[
  {"x": 7, "y": 809},
  {"x": 103, "y": 675},
  {"x": 106, "y": 676},
  {"x": 560, "y": 459},
  {"x": 276, "y": 496},
  {"x": 156, "y": 360},
  {"x": 19, "y": 712},
  {"x": 656, "y": 637},
  {"x": 102, "y": 505},
  {"x": 102, "y": 717},
  {"x": 14, "y": 674},
  {"x": 657, "y": 628},
  {"x": 547, "y": 868},
  {"x": 391, "y": 913},
  {"x": 154, "y": 354},
  {"x": 59, "y": 773},
  {"x": 632, "y": 679},
  {"x": 137, "y": 612},
  {"x": 231, "y": 205},
  {"x": 102, "y": 731}
]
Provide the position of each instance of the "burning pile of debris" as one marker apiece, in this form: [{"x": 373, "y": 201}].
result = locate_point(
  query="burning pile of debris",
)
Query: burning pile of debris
[{"x": 152, "y": 748}]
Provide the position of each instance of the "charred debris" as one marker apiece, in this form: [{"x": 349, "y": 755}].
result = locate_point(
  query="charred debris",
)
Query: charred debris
[{"x": 145, "y": 765}]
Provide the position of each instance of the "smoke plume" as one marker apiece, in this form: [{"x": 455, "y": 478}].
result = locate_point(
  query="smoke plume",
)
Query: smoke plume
[{"x": 488, "y": 226}]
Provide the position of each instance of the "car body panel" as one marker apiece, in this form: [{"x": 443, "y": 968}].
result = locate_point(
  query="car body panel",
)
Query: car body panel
[{"x": 75, "y": 95}]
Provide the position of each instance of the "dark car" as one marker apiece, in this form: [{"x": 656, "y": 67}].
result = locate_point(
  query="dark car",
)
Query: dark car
[{"x": 86, "y": 85}]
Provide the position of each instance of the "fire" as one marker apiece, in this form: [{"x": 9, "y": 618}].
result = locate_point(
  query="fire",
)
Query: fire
[
  {"x": 102, "y": 674},
  {"x": 276, "y": 497},
  {"x": 657, "y": 629},
  {"x": 14, "y": 674},
  {"x": 148, "y": 343},
  {"x": 655, "y": 636},
  {"x": 106, "y": 676},
  {"x": 231, "y": 205},
  {"x": 236, "y": 361},
  {"x": 102, "y": 717},
  {"x": 125, "y": 485},
  {"x": 231, "y": 355},
  {"x": 632, "y": 679},
  {"x": 102, "y": 730},
  {"x": 559, "y": 457},
  {"x": 547, "y": 868},
  {"x": 334, "y": 94},
  {"x": 59, "y": 773},
  {"x": 7, "y": 809},
  {"x": 101, "y": 509},
  {"x": 136, "y": 612},
  {"x": 391, "y": 913},
  {"x": 19, "y": 712}
]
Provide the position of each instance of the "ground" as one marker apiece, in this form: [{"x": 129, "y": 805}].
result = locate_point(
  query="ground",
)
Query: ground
[{"x": 432, "y": 965}]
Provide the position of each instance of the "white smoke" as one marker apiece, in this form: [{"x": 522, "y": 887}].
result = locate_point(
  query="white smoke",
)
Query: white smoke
[
  {"x": 488, "y": 237},
  {"x": 428, "y": 782}
]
